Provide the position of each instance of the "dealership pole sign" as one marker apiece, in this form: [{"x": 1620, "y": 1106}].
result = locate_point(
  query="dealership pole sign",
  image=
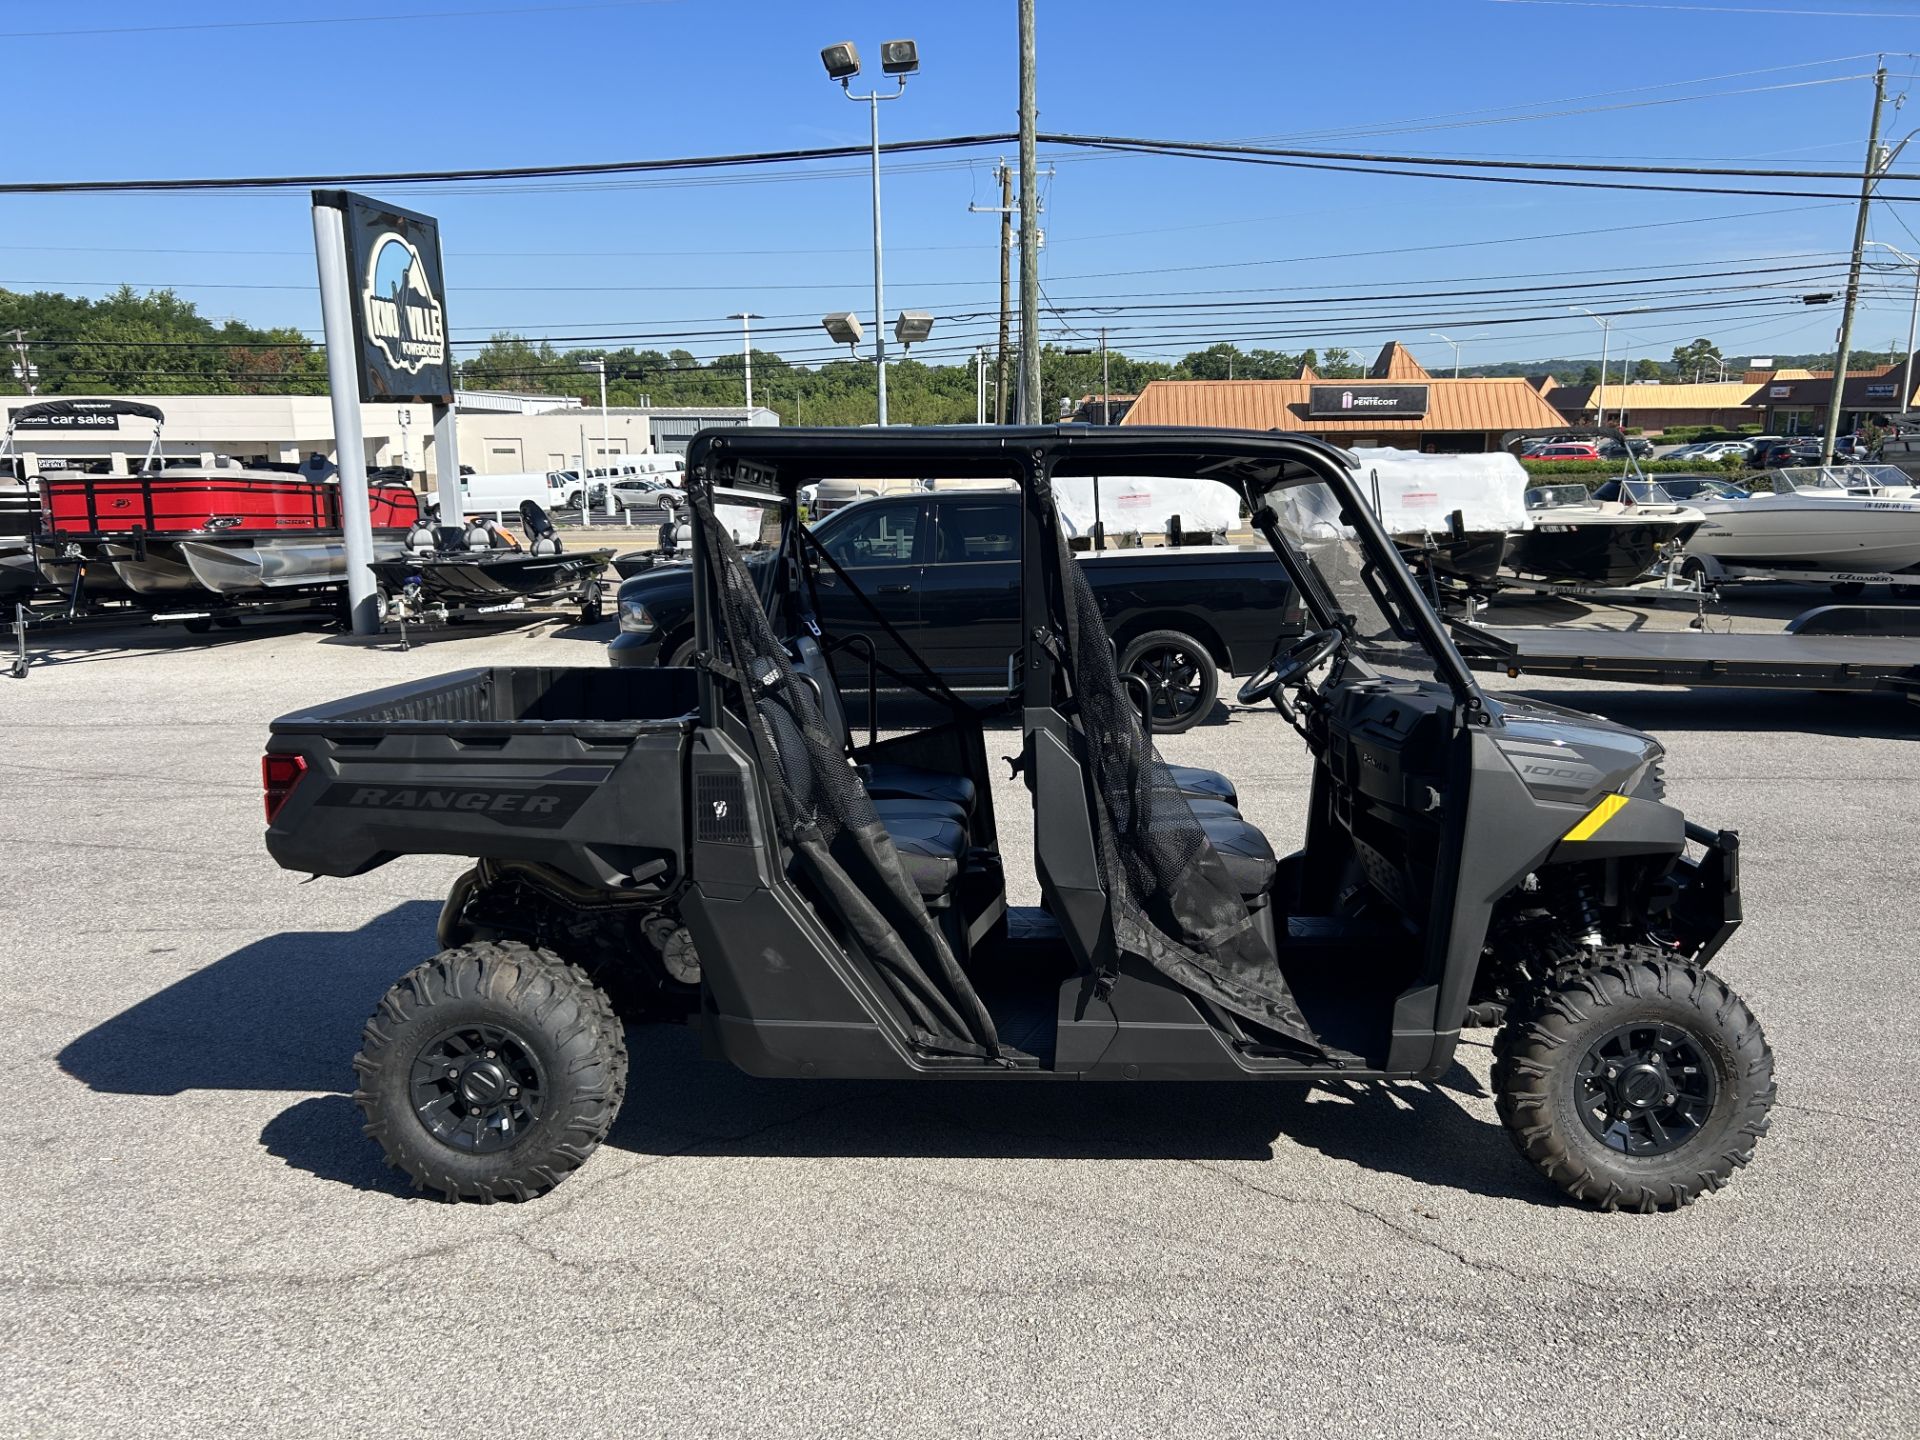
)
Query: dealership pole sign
[
  {"x": 398, "y": 300},
  {"x": 1359, "y": 402}
]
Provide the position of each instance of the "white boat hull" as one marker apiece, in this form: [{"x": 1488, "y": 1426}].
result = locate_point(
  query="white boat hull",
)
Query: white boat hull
[{"x": 1796, "y": 532}]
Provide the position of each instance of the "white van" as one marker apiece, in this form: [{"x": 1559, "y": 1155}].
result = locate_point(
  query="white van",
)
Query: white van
[{"x": 502, "y": 494}]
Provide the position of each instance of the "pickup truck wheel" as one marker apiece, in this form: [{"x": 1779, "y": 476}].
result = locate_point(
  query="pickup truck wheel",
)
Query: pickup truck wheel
[
  {"x": 1180, "y": 677},
  {"x": 1634, "y": 1084},
  {"x": 682, "y": 655},
  {"x": 491, "y": 1072}
]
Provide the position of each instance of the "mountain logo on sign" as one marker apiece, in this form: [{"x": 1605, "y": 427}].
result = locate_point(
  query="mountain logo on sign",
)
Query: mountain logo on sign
[{"x": 403, "y": 316}]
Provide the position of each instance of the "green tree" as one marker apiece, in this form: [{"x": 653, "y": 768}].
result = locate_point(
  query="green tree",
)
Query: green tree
[{"x": 1697, "y": 360}]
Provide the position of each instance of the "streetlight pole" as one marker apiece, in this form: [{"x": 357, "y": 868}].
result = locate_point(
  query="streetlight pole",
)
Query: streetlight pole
[
  {"x": 606, "y": 438},
  {"x": 1456, "y": 350},
  {"x": 1913, "y": 320},
  {"x": 898, "y": 58},
  {"x": 746, "y": 319},
  {"x": 1106, "y": 389},
  {"x": 1605, "y": 322}
]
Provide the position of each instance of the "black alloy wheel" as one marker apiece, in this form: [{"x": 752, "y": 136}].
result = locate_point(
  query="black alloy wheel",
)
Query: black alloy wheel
[
  {"x": 477, "y": 1088},
  {"x": 1645, "y": 1089},
  {"x": 1180, "y": 678}
]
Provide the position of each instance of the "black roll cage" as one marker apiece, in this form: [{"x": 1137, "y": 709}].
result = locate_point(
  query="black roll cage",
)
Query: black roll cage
[{"x": 778, "y": 461}]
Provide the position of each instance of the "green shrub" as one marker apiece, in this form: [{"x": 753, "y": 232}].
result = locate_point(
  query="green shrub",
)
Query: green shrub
[{"x": 1606, "y": 469}]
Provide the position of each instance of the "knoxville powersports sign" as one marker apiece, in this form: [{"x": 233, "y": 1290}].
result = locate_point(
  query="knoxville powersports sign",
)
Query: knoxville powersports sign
[
  {"x": 399, "y": 306},
  {"x": 1393, "y": 401}
]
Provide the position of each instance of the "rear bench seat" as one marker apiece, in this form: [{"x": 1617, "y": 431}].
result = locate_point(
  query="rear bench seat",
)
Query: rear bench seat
[{"x": 886, "y": 781}]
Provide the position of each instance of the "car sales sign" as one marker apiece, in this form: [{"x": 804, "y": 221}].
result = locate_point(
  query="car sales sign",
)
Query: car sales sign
[
  {"x": 1361, "y": 401},
  {"x": 399, "y": 302}
]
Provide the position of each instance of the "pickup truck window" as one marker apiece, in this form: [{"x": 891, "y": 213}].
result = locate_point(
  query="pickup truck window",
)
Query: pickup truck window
[
  {"x": 973, "y": 531},
  {"x": 875, "y": 535}
]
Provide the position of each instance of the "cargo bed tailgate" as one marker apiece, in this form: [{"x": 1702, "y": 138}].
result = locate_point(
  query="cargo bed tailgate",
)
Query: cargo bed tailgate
[{"x": 579, "y": 768}]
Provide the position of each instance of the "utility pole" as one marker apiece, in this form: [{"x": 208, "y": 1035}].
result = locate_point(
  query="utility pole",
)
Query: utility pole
[
  {"x": 746, "y": 319},
  {"x": 1005, "y": 210},
  {"x": 1106, "y": 390},
  {"x": 1006, "y": 295},
  {"x": 25, "y": 371},
  {"x": 1030, "y": 402},
  {"x": 1867, "y": 178}
]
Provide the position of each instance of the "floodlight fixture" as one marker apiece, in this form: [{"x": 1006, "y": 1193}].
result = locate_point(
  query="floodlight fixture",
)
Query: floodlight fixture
[
  {"x": 842, "y": 61},
  {"x": 843, "y": 328},
  {"x": 912, "y": 327},
  {"x": 899, "y": 57}
]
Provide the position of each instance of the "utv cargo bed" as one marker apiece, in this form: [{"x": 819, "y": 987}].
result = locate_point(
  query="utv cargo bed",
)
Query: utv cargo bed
[{"x": 577, "y": 768}]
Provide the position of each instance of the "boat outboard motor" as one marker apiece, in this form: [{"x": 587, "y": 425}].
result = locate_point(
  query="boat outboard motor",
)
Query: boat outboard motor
[{"x": 540, "y": 532}]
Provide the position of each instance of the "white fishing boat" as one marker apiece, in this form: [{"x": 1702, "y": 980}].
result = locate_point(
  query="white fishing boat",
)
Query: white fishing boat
[{"x": 1820, "y": 519}]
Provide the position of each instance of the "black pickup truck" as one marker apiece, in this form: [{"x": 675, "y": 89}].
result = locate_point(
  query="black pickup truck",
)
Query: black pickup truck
[{"x": 943, "y": 567}]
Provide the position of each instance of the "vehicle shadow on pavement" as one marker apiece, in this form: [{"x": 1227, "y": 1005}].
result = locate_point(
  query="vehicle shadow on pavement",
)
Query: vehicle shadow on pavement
[
  {"x": 1876, "y": 717},
  {"x": 284, "y": 1013},
  {"x": 679, "y": 1103}
]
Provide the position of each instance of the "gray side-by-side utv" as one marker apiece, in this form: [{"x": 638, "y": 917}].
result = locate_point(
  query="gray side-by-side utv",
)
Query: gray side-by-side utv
[{"x": 718, "y": 845}]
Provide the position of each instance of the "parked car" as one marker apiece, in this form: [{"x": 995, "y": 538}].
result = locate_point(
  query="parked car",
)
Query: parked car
[
  {"x": 665, "y": 469},
  {"x": 1566, "y": 450},
  {"x": 1713, "y": 451},
  {"x": 1804, "y": 451},
  {"x": 943, "y": 567}
]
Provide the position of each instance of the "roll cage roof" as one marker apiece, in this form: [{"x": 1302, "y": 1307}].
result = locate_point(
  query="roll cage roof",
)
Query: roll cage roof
[{"x": 803, "y": 456}]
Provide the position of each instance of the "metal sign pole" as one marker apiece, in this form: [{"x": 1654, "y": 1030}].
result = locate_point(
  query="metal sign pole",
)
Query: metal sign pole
[
  {"x": 350, "y": 449},
  {"x": 446, "y": 465}
]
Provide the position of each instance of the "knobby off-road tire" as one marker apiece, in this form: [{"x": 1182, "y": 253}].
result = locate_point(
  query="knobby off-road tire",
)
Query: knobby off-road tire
[
  {"x": 491, "y": 1072},
  {"x": 1634, "y": 1083}
]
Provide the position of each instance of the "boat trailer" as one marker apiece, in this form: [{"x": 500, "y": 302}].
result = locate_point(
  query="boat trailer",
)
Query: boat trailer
[{"x": 1857, "y": 648}]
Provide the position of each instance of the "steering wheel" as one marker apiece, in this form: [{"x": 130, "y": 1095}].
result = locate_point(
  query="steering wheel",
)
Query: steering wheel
[{"x": 1289, "y": 666}]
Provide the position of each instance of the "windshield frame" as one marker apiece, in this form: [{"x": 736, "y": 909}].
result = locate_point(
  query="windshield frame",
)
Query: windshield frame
[{"x": 1386, "y": 575}]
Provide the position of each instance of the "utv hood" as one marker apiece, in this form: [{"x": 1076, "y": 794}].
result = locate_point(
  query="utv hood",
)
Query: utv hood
[{"x": 1575, "y": 758}]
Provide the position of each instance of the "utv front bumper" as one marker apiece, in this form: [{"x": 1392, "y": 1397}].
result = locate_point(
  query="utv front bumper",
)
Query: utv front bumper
[{"x": 1706, "y": 909}]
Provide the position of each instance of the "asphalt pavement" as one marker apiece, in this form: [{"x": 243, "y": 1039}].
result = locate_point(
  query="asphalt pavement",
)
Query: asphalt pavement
[{"x": 199, "y": 1241}]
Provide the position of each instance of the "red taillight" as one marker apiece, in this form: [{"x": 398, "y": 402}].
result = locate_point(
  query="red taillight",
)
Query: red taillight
[{"x": 278, "y": 775}]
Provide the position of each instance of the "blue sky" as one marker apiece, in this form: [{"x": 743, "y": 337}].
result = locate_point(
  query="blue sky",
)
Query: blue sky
[{"x": 685, "y": 77}]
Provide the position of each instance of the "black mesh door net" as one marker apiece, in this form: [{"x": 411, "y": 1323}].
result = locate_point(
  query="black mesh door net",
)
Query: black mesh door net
[
  {"x": 825, "y": 816},
  {"x": 1170, "y": 898}
]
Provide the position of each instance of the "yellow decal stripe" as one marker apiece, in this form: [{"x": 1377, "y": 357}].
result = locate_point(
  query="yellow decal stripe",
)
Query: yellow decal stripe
[{"x": 1591, "y": 822}]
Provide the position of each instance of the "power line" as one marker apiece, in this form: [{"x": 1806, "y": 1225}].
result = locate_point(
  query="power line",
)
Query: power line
[
  {"x": 494, "y": 172},
  {"x": 1712, "y": 9},
  {"x": 1227, "y": 148},
  {"x": 331, "y": 20}
]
